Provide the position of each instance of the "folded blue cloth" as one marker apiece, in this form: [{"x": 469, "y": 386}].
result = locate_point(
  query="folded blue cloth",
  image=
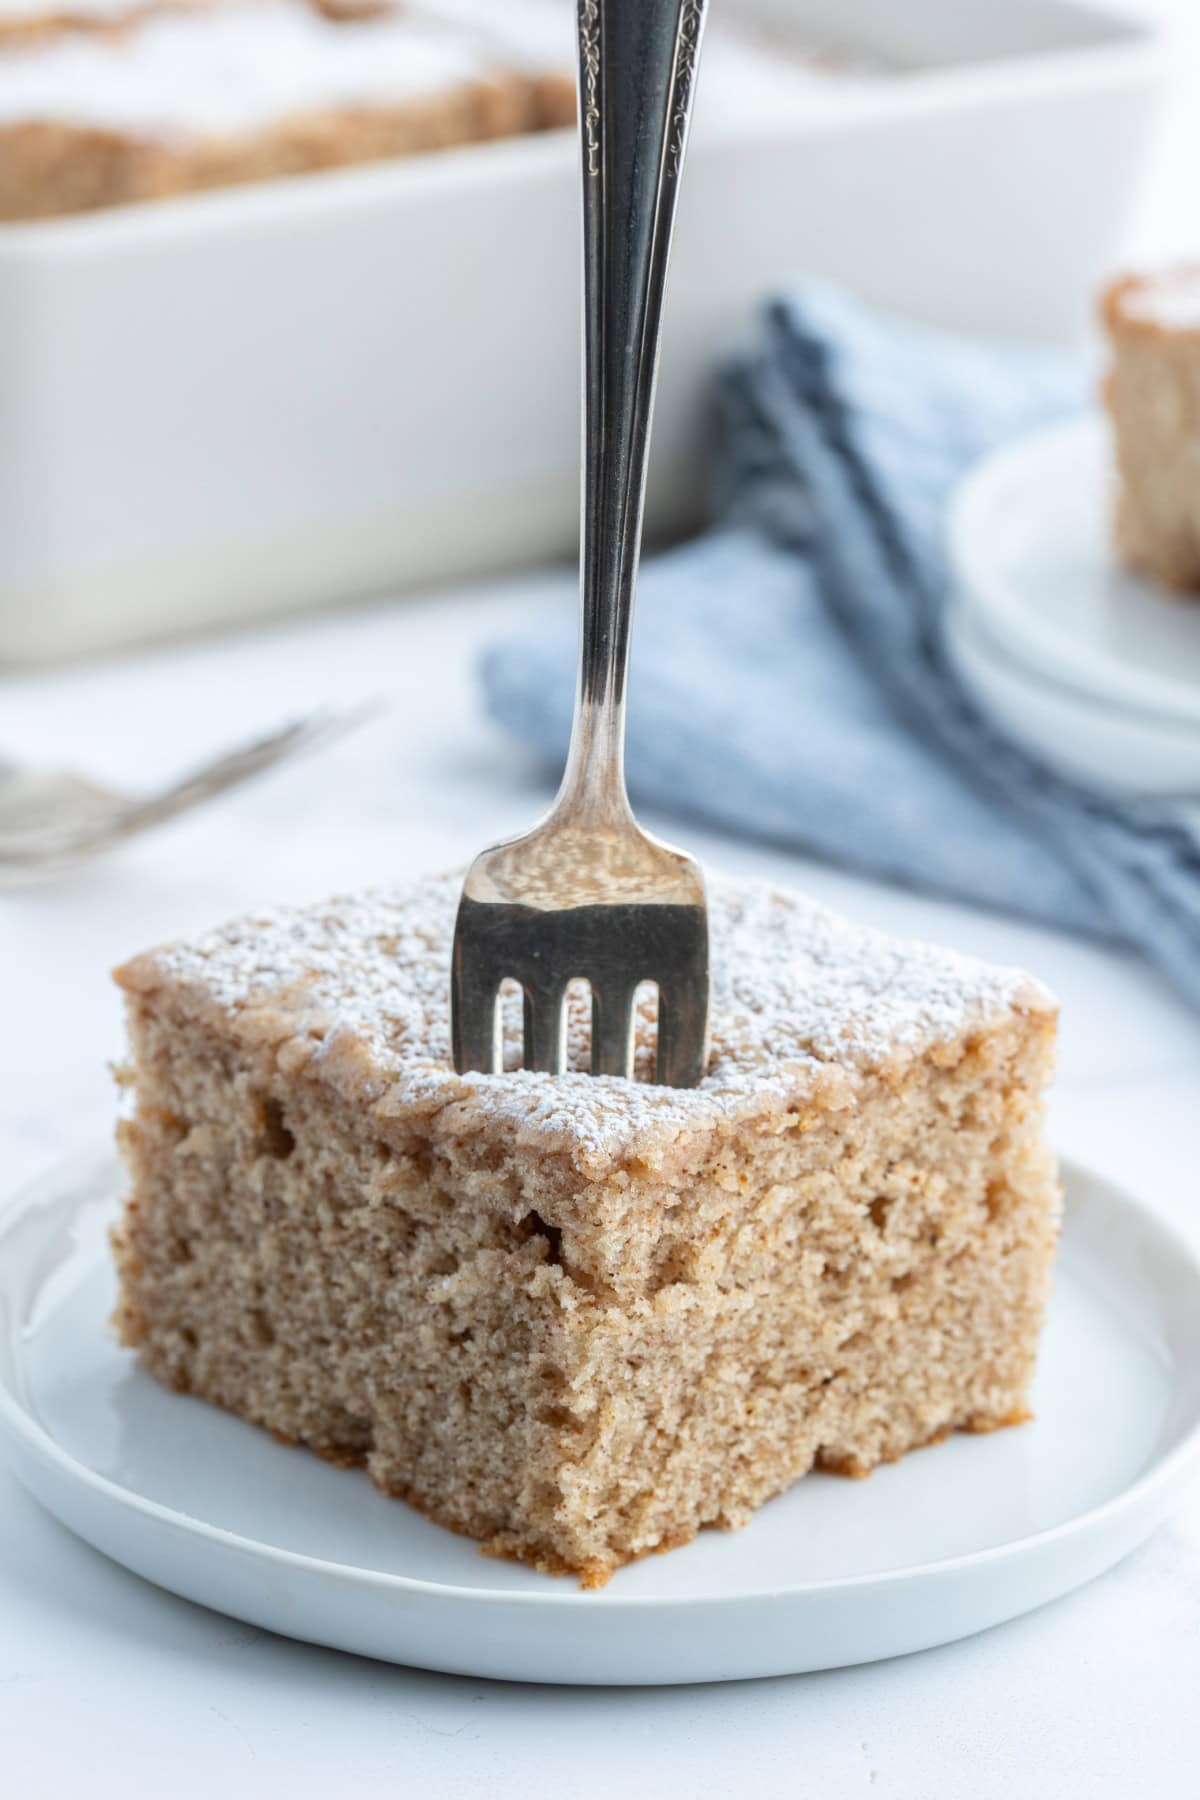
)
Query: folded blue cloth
[{"x": 790, "y": 679}]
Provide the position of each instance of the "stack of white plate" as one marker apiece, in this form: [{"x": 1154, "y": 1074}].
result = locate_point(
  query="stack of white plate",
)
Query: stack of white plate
[{"x": 1094, "y": 668}]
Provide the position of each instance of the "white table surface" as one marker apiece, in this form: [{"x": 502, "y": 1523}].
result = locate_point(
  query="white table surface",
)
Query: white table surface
[{"x": 111, "y": 1688}]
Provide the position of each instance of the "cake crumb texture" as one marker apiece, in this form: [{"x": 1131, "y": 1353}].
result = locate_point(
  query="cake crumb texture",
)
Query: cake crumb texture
[{"x": 580, "y": 1319}]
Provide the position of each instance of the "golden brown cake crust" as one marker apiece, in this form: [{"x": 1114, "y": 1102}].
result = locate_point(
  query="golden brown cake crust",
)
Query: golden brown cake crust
[{"x": 51, "y": 170}]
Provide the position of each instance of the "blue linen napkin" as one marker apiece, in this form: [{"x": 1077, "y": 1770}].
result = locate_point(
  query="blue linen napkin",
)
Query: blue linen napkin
[{"x": 789, "y": 676}]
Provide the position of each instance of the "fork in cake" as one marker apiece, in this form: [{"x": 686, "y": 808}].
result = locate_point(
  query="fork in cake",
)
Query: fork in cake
[{"x": 587, "y": 894}]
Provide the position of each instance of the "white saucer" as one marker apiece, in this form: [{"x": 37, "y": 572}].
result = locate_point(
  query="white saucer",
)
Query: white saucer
[
  {"x": 948, "y": 1541},
  {"x": 1139, "y": 752},
  {"x": 1030, "y": 544}
]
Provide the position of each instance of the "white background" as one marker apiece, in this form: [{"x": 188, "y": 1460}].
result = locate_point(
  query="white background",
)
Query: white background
[{"x": 108, "y": 1687}]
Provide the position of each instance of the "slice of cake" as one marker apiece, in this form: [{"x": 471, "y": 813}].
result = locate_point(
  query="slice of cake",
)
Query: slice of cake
[
  {"x": 1153, "y": 398},
  {"x": 578, "y": 1318},
  {"x": 186, "y": 100}
]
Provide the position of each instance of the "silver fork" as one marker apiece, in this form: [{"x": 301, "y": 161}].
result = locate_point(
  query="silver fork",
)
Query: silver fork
[
  {"x": 51, "y": 819},
  {"x": 587, "y": 894}
]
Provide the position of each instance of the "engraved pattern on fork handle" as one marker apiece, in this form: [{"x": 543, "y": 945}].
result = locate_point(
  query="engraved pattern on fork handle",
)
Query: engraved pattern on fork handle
[
  {"x": 637, "y": 63},
  {"x": 691, "y": 29},
  {"x": 589, "y": 77}
]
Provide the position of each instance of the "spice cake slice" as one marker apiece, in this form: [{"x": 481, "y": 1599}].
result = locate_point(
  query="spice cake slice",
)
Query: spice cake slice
[
  {"x": 580, "y": 1318},
  {"x": 1153, "y": 399}
]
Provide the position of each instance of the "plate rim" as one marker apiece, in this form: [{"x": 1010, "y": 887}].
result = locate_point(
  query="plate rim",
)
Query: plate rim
[
  {"x": 1145, "y": 754},
  {"x": 1043, "y": 652},
  {"x": 17, "y": 1421},
  {"x": 961, "y": 623}
]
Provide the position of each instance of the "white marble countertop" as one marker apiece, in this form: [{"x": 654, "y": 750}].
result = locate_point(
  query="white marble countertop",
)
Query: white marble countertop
[{"x": 111, "y": 1688}]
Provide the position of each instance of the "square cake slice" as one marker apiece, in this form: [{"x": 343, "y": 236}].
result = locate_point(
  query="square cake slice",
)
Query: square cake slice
[
  {"x": 577, "y": 1318},
  {"x": 1153, "y": 398}
]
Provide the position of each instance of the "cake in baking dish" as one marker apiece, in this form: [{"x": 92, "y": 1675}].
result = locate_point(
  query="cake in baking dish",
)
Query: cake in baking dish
[
  {"x": 190, "y": 99},
  {"x": 1153, "y": 398},
  {"x": 108, "y": 101},
  {"x": 580, "y": 1318}
]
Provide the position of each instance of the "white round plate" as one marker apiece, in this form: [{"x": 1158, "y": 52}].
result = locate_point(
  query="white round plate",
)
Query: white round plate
[
  {"x": 944, "y": 1543},
  {"x": 1030, "y": 542},
  {"x": 1139, "y": 752}
]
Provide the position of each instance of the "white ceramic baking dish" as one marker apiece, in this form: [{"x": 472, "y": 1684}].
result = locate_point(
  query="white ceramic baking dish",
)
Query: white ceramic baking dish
[{"x": 228, "y": 405}]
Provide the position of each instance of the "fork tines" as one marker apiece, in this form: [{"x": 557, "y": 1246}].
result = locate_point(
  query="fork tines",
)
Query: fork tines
[{"x": 615, "y": 948}]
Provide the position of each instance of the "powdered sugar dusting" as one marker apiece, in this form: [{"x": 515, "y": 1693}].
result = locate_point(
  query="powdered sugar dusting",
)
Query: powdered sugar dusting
[
  {"x": 238, "y": 68},
  {"x": 364, "y": 982},
  {"x": 1171, "y": 299}
]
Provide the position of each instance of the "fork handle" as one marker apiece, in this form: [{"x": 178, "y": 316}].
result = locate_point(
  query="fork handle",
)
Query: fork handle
[{"x": 637, "y": 68}]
